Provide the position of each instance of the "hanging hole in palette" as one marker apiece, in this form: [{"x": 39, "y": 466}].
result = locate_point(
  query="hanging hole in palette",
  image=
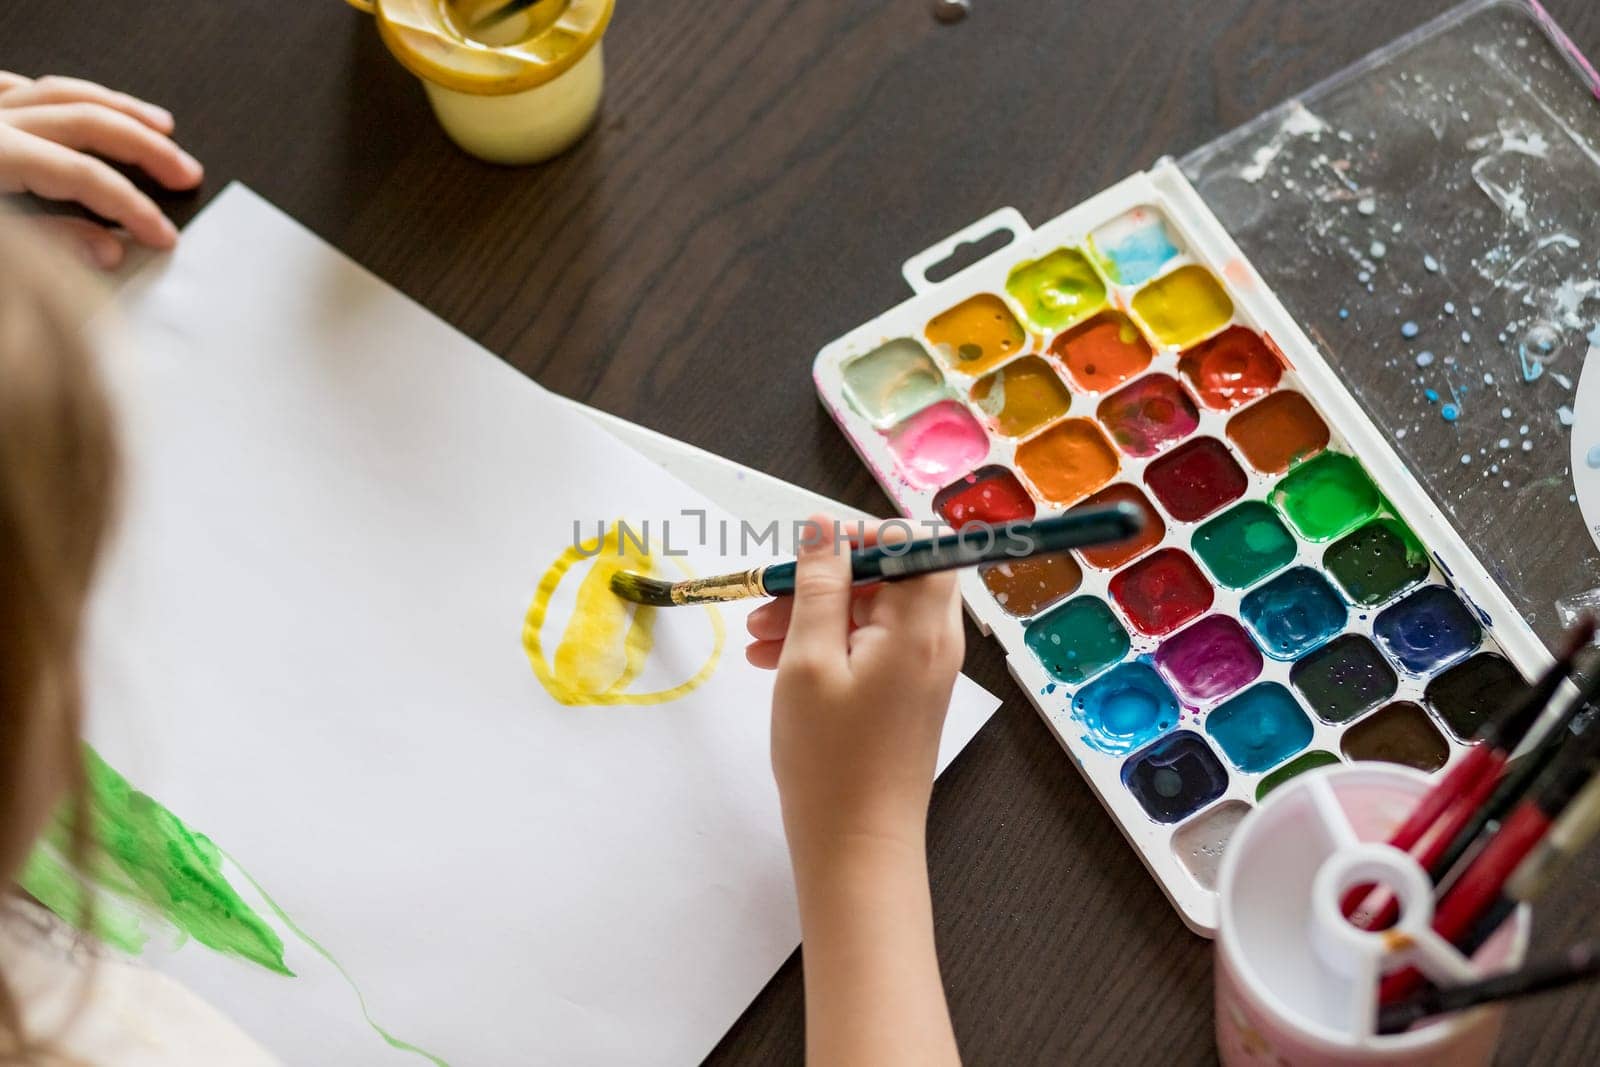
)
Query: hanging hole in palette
[{"x": 966, "y": 254}]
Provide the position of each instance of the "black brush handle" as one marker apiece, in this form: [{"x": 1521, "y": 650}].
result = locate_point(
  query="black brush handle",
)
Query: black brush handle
[{"x": 975, "y": 545}]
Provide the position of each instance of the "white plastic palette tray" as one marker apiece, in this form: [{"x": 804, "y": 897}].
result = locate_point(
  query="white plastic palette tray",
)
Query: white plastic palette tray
[{"x": 1189, "y": 771}]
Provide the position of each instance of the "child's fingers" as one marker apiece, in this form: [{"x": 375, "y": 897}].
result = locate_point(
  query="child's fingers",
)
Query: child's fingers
[
  {"x": 113, "y": 134},
  {"x": 922, "y": 602},
  {"x": 764, "y": 654},
  {"x": 819, "y": 621},
  {"x": 770, "y": 622},
  {"x": 9, "y": 81},
  {"x": 53, "y": 89},
  {"x": 861, "y": 604},
  {"x": 42, "y": 167},
  {"x": 919, "y": 604}
]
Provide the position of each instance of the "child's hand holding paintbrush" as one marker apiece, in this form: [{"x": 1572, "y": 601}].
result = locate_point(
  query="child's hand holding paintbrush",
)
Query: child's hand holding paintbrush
[
  {"x": 864, "y": 680},
  {"x": 867, "y": 648}
]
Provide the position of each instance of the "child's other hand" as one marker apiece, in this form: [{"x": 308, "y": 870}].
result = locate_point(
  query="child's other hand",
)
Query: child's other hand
[
  {"x": 48, "y": 129},
  {"x": 864, "y": 681}
]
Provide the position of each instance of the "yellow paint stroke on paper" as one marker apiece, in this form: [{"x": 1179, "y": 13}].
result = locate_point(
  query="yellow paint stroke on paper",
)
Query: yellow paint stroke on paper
[{"x": 608, "y": 640}]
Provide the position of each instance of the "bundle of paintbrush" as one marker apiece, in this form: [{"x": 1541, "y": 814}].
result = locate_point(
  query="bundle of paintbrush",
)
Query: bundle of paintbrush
[{"x": 1494, "y": 832}]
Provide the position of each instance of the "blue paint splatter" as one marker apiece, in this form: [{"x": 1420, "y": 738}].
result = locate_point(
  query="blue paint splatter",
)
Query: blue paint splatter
[
  {"x": 1449, "y": 413},
  {"x": 1424, "y": 358},
  {"x": 1409, "y": 329},
  {"x": 1431, "y": 395},
  {"x": 1344, "y": 313},
  {"x": 1538, "y": 344}
]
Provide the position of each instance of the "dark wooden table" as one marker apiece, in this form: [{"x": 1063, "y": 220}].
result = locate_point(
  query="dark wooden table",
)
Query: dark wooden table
[{"x": 759, "y": 172}]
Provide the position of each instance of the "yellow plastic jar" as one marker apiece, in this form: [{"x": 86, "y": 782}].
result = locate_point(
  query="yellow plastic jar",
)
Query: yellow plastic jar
[{"x": 520, "y": 92}]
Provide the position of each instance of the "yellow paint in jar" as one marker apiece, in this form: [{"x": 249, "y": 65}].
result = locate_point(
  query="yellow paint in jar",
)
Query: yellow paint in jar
[
  {"x": 520, "y": 92},
  {"x": 1183, "y": 307}
]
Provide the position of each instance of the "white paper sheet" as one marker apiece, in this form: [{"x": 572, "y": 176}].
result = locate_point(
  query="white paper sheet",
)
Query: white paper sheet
[{"x": 307, "y": 646}]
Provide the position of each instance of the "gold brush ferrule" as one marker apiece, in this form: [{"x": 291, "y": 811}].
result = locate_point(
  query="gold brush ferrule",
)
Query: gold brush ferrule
[{"x": 721, "y": 587}]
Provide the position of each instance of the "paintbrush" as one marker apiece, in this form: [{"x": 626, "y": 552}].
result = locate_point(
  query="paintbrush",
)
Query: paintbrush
[
  {"x": 1450, "y": 811},
  {"x": 1579, "y": 823},
  {"x": 1579, "y": 963},
  {"x": 1473, "y": 895},
  {"x": 905, "y": 559},
  {"x": 1521, "y": 773}
]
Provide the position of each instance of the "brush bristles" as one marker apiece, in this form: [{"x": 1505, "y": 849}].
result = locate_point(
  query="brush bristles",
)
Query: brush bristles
[{"x": 642, "y": 589}]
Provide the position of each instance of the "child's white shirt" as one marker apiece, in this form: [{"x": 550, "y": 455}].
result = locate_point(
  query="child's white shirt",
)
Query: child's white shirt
[{"x": 127, "y": 1016}]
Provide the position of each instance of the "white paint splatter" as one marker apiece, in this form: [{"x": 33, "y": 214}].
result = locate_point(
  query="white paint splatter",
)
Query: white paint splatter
[
  {"x": 1514, "y": 135},
  {"x": 1299, "y": 122}
]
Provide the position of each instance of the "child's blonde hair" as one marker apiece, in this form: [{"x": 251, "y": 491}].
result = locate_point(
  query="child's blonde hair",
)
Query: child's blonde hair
[{"x": 58, "y": 472}]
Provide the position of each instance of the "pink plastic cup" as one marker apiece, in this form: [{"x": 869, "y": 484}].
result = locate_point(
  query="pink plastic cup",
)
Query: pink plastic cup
[{"x": 1296, "y": 984}]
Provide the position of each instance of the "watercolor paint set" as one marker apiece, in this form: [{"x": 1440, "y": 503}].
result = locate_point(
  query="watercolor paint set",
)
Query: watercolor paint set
[{"x": 1295, "y": 598}]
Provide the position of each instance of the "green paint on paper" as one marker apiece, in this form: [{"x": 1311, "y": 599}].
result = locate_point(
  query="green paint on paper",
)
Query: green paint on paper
[
  {"x": 49, "y": 880},
  {"x": 1326, "y": 496},
  {"x": 316, "y": 946},
  {"x": 145, "y": 856},
  {"x": 147, "y": 866},
  {"x": 1058, "y": 289}
]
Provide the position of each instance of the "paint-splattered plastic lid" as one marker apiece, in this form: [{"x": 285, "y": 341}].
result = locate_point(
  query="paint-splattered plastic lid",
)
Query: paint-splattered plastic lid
[{"x": 429, "y": 38}]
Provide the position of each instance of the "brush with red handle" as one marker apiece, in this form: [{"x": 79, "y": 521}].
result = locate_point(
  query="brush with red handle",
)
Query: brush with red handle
[
  {"x": 1513, "y": 786},
  {"x": 1448, "y": 809},
  {"x": 1475, "y": 892}
]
